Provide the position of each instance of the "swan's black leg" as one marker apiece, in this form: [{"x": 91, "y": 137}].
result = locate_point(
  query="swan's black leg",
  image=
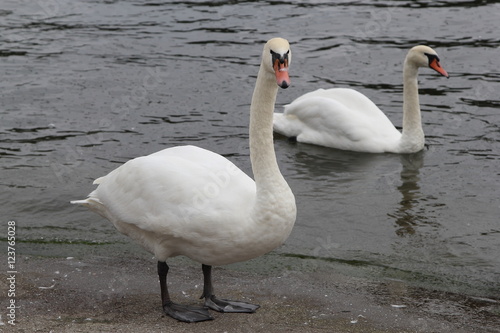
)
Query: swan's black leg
[
  {"x": 184, "y": 313},
  {"x": 221, "y": 305}
]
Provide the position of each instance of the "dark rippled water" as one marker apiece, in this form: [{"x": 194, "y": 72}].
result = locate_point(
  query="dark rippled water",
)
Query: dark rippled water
[{"x": 87, "y": 85}]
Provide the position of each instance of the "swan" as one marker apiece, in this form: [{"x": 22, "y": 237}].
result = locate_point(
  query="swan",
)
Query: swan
[
  {"x": 346, "y": 119},
  {"x": 190, "y": 201}
]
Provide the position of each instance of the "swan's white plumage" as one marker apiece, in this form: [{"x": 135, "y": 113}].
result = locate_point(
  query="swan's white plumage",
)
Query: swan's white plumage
[
  {"x": 177, "y": 185},
  {"x": 346, "y": 119},
  {"x": 190, "y": 201},
  {"x": 325, "y": 117}
]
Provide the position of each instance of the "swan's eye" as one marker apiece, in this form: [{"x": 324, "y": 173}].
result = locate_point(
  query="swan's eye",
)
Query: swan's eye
[
  {"x": 282, "y": 59},
  {"x": 431, "y": 57}
]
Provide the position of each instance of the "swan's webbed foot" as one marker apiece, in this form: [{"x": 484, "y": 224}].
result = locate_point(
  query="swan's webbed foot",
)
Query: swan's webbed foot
[
  {"x": 187, "y": 313},
  {"x": 224, "y": 305}
]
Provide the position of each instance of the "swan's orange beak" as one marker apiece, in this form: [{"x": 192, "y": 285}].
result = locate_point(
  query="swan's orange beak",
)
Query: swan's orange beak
[
  {"x": 281, "y": 71},
  {"x": 435, "y": 65}
]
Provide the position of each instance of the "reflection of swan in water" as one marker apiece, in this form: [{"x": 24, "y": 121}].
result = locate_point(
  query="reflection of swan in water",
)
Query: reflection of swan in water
[
  {"x": 312, "y": 161},
  {"x": 406, "y": 218},
  {"x": 344, "y": 176}
]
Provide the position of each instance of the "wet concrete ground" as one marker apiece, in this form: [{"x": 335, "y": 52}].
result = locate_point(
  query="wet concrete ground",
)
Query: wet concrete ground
[{"x": 113, "y": 294}]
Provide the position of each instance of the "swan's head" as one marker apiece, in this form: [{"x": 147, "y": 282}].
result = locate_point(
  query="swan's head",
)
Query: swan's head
[
  {"x": 276, "y": 58},
  {"x": 424, "y": 56}
]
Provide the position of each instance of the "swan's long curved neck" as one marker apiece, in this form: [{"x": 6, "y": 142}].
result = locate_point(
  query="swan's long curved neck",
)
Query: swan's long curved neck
[
  {"x": 413, "y": 134},
  {"x": 268, "y": 178},
  {"x": 262, "y": 155}
]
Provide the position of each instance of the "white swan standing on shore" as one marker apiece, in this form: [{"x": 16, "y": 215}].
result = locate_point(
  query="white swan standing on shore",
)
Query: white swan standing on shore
[
  {"x": 346, "y": 119},
  {"x": 193, "y": 202}
]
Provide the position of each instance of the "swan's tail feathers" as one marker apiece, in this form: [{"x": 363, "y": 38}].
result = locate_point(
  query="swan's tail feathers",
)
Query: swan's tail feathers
[
  {"x": 92, "y": 200},
  {"x": 98, "y": 180},
  {"x": 286, "y": 125},
  {"x": 87, "y": 202},
  {"x": 80, "y": 202},
  {"x": 94, "y": 204}
]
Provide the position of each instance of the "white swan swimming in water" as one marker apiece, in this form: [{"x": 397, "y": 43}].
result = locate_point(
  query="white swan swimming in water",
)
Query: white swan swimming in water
[
  {"x": 193, "y": 202},
  {"x": 346, "y": 119}
]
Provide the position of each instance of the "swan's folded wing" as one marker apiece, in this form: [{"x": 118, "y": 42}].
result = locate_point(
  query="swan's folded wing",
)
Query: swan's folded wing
[
  {"x": 168, "y": 190},
  {"x": 340, "y": 118},
  {"x": 321, "y": 120}
]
